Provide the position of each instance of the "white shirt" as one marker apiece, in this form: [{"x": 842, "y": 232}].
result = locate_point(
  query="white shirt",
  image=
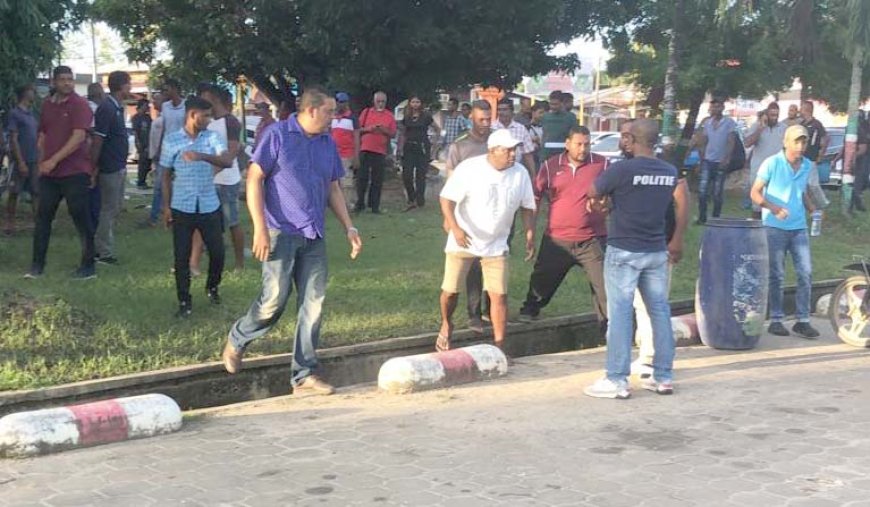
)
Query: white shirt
[
  {"x": 230, "y": 175},
  {"x": 173, "y": 117},
  {"x": 486, "y": 201},
  {"x": 521, "y": 134},
  {"x": 155, "y": 137},
  {"x": 769, "y": 143}
]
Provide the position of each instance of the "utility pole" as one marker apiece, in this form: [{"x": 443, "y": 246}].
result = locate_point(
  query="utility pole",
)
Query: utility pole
[{"x": 597, "y": 112}]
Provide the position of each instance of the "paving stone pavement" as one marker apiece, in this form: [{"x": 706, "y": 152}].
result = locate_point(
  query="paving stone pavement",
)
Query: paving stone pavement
[{"x": 784, "y": 424}]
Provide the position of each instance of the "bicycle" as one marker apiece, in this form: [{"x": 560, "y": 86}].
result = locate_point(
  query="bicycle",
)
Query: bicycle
[{"x": 849, "y": 310}]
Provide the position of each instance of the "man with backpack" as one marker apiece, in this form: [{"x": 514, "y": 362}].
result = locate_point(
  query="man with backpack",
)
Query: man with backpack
[{"x": 716, "y": 140}]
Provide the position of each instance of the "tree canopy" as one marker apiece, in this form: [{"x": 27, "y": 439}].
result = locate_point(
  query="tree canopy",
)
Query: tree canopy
[
  {"x": 31, "y": 38},
  {"x": 398, "y": 45},
  {"x": 737, "y": 48}
]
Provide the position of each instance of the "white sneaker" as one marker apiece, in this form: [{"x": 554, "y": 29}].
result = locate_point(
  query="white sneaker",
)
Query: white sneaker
[
  {"x": 606, "y": 388},
  {"x": 650, "y": 384},
  {"x": 641, "y": 369}
]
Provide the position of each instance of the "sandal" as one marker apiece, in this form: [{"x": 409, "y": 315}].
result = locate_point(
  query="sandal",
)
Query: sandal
[{"x": 442, "y": 344}]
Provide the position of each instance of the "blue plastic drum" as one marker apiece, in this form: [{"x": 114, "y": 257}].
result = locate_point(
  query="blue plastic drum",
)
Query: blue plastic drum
[{"x": 731, "y": 293}]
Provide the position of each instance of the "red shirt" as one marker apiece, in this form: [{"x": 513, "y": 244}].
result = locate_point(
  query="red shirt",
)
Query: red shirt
[
  {"x": 56, "y": 124},
  {"x": 565, "y": 187},
  {"x": 376, "y": 142},
  {"x": 343, "y": 127}
]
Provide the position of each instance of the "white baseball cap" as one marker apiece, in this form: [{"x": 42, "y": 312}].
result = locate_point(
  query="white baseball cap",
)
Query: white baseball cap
[{"x": 501, "y": 138}]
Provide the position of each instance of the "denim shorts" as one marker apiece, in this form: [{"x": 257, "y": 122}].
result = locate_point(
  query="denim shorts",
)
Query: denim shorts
[{"x": 229, "y": 197}]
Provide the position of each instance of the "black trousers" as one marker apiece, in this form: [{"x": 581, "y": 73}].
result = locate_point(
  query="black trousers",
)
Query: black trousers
[
  {"x": 415, "y": 165},
  {"x": 862, "y": 167},
  {"x": 371, "y": 168},
  {"x": 51, "y": 191},
  {"x": 210, "y": 225},
  {"x": 144, "y": 168},
  {"x": 554, "y": 261}
]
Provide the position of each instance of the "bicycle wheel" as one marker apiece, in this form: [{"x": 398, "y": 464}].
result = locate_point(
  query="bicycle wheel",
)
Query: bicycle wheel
[{"x": 848, "y": 311}]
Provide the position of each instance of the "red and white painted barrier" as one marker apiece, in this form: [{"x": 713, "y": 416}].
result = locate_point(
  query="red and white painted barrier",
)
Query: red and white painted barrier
[
  {"x": 685, "y": 328},
  {"x": 439, "y": 369},
  {"x": 58, "y": 429},
  {"x": 823, "y": 305}
]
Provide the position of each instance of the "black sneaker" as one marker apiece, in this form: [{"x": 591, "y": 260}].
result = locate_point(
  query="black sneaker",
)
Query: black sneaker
[
  {"x": 184, "y": 310},
  {"x": 213, "y": 296},
  {"x": 527, "y": 317},
  {"x": 84, "y": 273},
  {"x": 776, "y": 328},
  {"x": 805, "y": 330},
  {"x": 34, "y": 273},
  {"x": 107, "y": 259}
]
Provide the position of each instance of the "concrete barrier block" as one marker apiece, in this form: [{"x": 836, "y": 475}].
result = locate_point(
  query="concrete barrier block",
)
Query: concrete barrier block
[
  {"x": 51, "y": 430},
  {"x": 428, "y": 371},
  {"x": 685, "y": 328},
  {"x": 823, "y": 305}
]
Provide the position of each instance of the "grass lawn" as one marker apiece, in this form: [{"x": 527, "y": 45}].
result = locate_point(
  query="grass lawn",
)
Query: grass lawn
[{"x": 55, "y": 330}]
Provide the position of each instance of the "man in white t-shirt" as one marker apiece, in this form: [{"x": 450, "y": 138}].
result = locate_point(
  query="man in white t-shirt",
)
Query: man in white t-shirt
[
  {"x": 479, "y": 202},
  {"x": 173, "y": 109},
  {"x": 227, "y": 181}
]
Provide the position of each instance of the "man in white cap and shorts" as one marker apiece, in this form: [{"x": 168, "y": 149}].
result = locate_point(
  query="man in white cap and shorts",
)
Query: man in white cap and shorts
[{"x": 479, "y": 202}]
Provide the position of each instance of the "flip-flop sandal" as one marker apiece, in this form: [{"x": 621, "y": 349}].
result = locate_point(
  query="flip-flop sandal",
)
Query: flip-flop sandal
[{"x": 442, "y": 344}]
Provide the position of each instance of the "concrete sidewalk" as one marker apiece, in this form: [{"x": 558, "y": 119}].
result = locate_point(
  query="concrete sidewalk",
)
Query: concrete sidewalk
[{"x": 785, "y": 424}]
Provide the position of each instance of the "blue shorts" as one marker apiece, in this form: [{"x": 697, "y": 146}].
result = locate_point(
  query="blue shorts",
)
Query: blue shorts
[{"x": 229, "y": 197}]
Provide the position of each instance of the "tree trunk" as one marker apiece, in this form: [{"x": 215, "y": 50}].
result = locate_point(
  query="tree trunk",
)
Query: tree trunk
[
  {"x": 689, "y": 128},
  {"x": 852, "y": 127},
  {"x": 670, "y": 98}
]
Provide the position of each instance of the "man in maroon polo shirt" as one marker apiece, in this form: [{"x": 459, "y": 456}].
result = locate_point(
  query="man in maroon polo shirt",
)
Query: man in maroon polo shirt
[
  {"x": 572, "y": 231},
  {"x": 65, "y": 171}
]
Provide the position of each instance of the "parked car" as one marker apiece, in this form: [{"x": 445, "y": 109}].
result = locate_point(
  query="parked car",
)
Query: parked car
[
  {"x": 599, "y": 135},
  {"x": 831, "y": 174},
  {"x": 607, "y": 145}
]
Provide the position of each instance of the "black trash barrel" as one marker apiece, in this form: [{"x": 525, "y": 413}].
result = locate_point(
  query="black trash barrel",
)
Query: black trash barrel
[{"x": 731, "y": 293}]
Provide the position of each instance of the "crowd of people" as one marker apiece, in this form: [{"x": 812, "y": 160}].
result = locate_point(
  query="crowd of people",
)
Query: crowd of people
[{"x": 623, "y": 223}]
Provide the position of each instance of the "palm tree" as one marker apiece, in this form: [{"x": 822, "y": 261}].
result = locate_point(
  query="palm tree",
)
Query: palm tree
[
  {"x": 857, "y": 47},
  {"x": 670, "y": 95}
]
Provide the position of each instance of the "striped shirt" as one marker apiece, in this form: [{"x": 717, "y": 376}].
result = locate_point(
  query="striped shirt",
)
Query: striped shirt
[
  {"x": 520, "y": 133},
  {"x": 193, "y": 189}
]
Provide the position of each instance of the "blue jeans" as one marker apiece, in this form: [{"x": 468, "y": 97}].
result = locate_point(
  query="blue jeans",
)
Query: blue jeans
[
  {"x": 624, "y": 272},
  {"x": 293, "y": 259},
  {"x": 157, "y": 200},
  {"x": 712, "y": 181},
  {"x": 796, "y": 243}
]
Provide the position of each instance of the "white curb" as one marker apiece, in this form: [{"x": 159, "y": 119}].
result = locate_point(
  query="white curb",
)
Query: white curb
[
  {"x": 58, "y": 429},
  {"x": 427, "y": 371}
]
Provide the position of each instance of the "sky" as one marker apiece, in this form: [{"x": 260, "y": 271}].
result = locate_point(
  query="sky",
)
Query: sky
[{"x": 110, "y": 50}]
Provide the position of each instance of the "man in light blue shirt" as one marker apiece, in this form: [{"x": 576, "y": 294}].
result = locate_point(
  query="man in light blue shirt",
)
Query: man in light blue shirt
[
  {"x": 781, "y": 191},
  {"x": 191, "y": 157},
  {"x": 716, "y": 140}
]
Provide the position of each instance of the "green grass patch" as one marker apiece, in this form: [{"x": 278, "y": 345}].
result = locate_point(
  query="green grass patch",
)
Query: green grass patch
[{"x": 55, "y": 330}]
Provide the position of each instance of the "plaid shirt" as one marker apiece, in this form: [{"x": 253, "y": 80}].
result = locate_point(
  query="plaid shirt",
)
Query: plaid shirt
[
  {"x": 453, "y": 128},
  {"x": 193, "y": 189},
  {"x": 520, "y": 133}
]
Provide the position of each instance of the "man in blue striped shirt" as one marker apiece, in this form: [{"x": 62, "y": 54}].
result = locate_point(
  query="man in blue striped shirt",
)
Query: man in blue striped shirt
[{"x": 191, "y": 157}]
